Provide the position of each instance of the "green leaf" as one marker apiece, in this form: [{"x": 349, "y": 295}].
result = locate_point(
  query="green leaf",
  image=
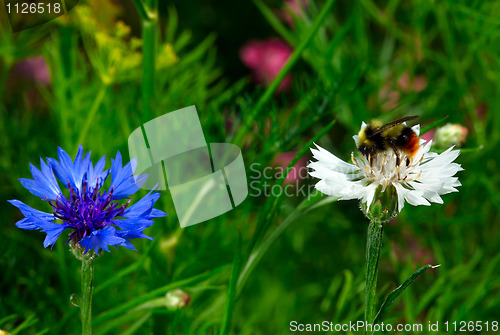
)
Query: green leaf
[
  {"x": 471, "y": 150},
  {"x": 275, "y": 22},
  {"x": 346, "y": 289},
  {"x": 394, "y": 294},
  {"x": 231, "y": 290},
  {"x": 432, "y": 125}
]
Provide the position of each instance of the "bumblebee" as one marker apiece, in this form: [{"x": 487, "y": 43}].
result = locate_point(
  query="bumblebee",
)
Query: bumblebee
[{"x": 377, "y": 137}]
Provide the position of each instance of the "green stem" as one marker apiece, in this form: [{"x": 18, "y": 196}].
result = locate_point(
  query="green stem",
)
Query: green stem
[
  {"x": 231, "y": 290},
  {"x": 92, "y": 113},
  {"x": 65, "y": 9},
  {"x": 373, "y": 247},
  {"x": 140, "y": 8},
  {"x": 149, "y": 56},
  {"x": 86, "y": 303}
]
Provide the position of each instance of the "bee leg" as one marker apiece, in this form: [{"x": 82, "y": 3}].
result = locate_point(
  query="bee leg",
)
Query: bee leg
[{"x": 393, "y": 146}]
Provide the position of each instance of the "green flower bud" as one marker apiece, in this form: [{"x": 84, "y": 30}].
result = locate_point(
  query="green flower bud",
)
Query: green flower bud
[
  {"x": 78, "y": 251},
  {"x": 384, "y": 205},
  {"x": 177, "y": 299}
]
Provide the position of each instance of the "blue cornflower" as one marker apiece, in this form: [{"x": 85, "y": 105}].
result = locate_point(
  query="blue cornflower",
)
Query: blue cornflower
[{"x": 95, "y": 215}]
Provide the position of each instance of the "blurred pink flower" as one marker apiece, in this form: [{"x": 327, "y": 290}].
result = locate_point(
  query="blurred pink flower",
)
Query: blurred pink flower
[
  {"x": 266, "y": 58},
  {"x": 298, "y": 171},
  {"x": 297, "y": 7},
  {"x": 481, "y": 110},
  {"x": 407, "y": 84},
  {"x": 411, "y": 249},
  {"x": 388, "y": 97},
  {"x": 33, "y": 68},
  {"x": 422, "y": 254},
  {"x": 428, "y": 135},
  {"x": 390, "y": 94}
]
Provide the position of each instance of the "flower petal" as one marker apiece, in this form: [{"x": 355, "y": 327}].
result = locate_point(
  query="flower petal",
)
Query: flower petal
[
  {"x": 144, "y": 208},
  {"x": 96, "y": 175},
  {"x": 100, "y": 239},
  {"x": 123, "y": 182},
  {"x": 68, "y": 171},
  {"x": 31, "y": 214},
  {"x": 330, "y": 161},
  {"x": 43, "y": 184},
  {"x": 53, "y": 231}
]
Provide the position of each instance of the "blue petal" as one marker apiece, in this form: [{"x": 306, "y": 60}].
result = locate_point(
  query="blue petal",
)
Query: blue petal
[
  {"x": 96, "y": 175},
  {"x": 27, "y": 224},
  {"x": 116, "y": 166},
  {"x": 133, "y": 224},
  {"x": 27, "y": 210},
  {"x": 144, "y": 208},
  {"x": 43, "y": 183},
  {"x": 53, "y": 231},
  {"x": 67, "y": 170},
  {"x": 31, "y": 214},
  {"x": 127, "y": 244},
  {"x": 48, "y": 173},
  {"x": 128, "y": 235},
  {"x": 100, "y": 239},
  {"x": 63, "y": 168},
  {"x": 123, "y": 181}
]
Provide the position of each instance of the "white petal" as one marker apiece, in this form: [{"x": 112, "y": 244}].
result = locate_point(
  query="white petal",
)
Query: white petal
[
  {"x": 323, "y": 172},
  {"x": 428, "y": 193},
  {"x": 370, "y": 193},
  {"x": 336, "y": 176},
  {"x": 400, "y": 190},
  {"x": 422, "y": 151},
  {"x": 344, "y": 189},
  {"x": 356, "y": 140},
  {"x": 415, "y": 198},
  {"x": 330, "y": 161},
  {"x": 416, "y": 128}
]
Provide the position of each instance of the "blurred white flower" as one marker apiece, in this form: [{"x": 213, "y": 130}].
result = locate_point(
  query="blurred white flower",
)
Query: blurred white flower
[
  {"x": 450, "y": 134},
  {"x": 418, "y": 180}
]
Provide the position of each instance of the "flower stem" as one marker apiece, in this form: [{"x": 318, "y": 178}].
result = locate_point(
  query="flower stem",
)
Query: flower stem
[
  {"x": 149, "y": 28},
  {"x": 86, "y": 303},
  {"x": 373, "y": 246},
  {"x": 92, "y": 113}
]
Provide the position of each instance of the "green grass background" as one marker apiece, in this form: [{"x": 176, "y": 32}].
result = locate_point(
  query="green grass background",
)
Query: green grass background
[{"x": 314, "y": 269}]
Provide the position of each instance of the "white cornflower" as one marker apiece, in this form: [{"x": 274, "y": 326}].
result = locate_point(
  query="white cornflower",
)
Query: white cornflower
[{"x": 419, "y": 180}]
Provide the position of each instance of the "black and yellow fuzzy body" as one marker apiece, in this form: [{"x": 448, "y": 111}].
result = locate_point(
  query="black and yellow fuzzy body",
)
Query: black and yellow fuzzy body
[{"x": 378, "y": 137}]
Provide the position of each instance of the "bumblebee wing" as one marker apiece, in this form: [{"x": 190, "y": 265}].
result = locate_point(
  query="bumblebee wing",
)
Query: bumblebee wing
[{"x": 394, "y": 123}]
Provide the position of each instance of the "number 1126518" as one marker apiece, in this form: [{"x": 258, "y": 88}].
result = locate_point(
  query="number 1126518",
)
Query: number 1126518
[{"x": 34, "y": 8}]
